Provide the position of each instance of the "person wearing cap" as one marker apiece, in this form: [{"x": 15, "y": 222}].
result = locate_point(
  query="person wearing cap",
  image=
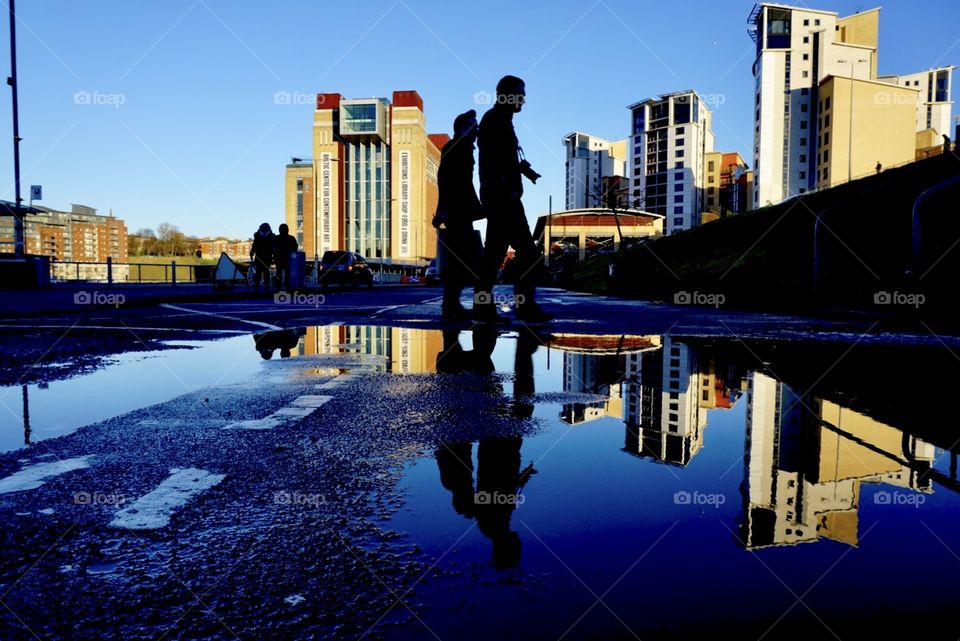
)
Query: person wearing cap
[
  {"x": 457, "y": 207},
  {"x": 261, "y": 255}
]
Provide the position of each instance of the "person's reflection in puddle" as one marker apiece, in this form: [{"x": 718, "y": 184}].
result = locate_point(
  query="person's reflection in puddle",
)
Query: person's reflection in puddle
[
  {"x": 283, "y": 339},
  {"x": 499, "y": 479}
]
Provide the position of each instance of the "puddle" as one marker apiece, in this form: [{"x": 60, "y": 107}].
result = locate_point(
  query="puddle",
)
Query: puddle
[
  {"x": 124, "y": 383},
  {"x": 689, "y": 482},
  {"x": 676, "y": 482}
]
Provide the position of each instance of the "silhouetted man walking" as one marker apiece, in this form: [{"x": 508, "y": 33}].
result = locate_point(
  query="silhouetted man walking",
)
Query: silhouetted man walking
[
  {"x": 501, "y": 165},
  {"x": 457, "y": 208}
]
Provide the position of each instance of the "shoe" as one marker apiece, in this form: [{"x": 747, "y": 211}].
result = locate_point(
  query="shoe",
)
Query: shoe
[
  {"x": 487, "y": 314},
  {"x": 532, "y": 314}
]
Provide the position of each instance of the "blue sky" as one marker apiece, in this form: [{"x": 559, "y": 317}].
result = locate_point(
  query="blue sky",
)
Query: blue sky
[{"x": 166, "y": 111}]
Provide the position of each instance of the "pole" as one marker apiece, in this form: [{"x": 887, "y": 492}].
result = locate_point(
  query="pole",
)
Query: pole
[
  {"x": 18, "y": 248},
  {"x": 549, "y": 243},
  {"x": 850, "y": 131}
]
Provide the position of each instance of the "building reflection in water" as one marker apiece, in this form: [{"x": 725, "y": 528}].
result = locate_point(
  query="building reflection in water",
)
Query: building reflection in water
[
  {"x": 806, "y": 455},
  {"x": 667, "y": 392},
  {"x": 805, "y": 460}
]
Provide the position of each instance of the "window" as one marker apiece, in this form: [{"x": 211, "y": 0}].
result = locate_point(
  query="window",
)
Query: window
[
  {"x": 679, "y": 153},
  {"x": 806, "y": 39},
  {"x": 678, "y": 176},
  {"x": 678, "y": 210},
  {"x": 806, "y": 23},
  {"x": 679, "y": 142},
  {"x": 826, "y": 155},
  {"x": 816, "y": 22},
  {"x": 679, "y": 131},
  {"x": 803, "y": 108},
  {"x": 826, "y": 103},
  {"x": 826, "y": 121},
  {"x": 806, "y": 56},
  {"x": 803, "y": 158},
  {"x": 805, "y": 74},
  {"x": 710, "y": 166},
  {"x": 678, "y": 187},
  {"x": 678, "y": 199},
  {"x": 803, "y": 175},
  {"x": 678, "y": 221},
  {"x": 678, "y": 165},
  {"x": 803, "y": 124},
  {"x": 826, "y": 138},
  {"x": 803, "y": 142},
  {"x": 711, "y": 190},
  {"x": 805, "y": 91}
]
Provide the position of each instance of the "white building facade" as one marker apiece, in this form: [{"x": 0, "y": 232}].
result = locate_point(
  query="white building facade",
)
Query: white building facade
[
  {"x": 670, "y": 137},
  {"x": 590, "y": 159},
  {"x": 796, "y": 49}
]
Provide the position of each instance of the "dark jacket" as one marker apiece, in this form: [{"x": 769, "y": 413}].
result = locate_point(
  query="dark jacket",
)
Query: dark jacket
[
  {"x": 262, "y": 247},
  {"x": 499, "y": 157},
  {"x": 284, "y": 244},
  {"x": 457, "y": 203}
]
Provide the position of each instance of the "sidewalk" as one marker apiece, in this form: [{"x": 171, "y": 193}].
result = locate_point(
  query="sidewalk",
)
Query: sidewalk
[{"x": 80, "y": 297}]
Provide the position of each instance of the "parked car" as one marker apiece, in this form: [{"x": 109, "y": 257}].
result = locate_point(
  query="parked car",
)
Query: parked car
[
  {"x": 432, "y": 275},
  {"x": 344, "y": 268}
]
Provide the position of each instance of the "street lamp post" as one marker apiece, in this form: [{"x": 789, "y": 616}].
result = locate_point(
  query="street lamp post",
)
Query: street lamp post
[{"x": 18, "y": 239}]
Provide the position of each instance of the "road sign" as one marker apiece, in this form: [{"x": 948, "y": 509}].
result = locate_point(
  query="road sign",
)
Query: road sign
[{"x": 36, "y": 192}]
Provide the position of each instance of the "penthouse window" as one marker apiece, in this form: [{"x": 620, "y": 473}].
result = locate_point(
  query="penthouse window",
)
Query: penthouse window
[{"x": 778, "y": 28}]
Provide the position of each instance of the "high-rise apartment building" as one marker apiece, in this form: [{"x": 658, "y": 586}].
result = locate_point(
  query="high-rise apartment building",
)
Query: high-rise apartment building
[
  {"x": 371, "y": 186},
  {"x": 589, "y": 161},
  {"x": 670, "y": 137},
  {"x": 797, "y": 50}
]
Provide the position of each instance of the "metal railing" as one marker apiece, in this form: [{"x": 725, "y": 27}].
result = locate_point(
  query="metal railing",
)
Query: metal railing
[{"x": 111, "y": 272}]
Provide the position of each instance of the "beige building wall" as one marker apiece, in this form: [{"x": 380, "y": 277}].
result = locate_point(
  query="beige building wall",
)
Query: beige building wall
[
  {"x": 328, "y": 169},
  {"x": 862, "y": 29},
  {"x": 883, "y": 128},
  {"x": 713, "y": 167},
  {"x": 293, "y": 174},
  {"x": 410, "y": 141}
]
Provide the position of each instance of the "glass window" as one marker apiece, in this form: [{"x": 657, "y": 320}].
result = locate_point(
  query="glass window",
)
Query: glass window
[{"x": 681, "y": 110}]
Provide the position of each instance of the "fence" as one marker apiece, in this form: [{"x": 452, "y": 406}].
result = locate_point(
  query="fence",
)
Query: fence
[{"x": 173, "y": 273}]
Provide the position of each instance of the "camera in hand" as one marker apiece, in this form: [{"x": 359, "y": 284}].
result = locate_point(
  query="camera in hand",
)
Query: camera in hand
[{"x": 528, "y": 171}]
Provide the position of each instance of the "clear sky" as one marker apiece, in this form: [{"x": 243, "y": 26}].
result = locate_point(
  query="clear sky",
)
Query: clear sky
[{"x": 168, "y": 111}]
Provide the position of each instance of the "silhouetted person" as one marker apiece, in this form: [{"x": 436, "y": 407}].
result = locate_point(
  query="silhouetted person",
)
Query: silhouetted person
[
  {"x": 285, "y": 246},
  {"x": 261, "y": 253},
  {"x": 453, "y": 359},
  {"x": 879, "y": 166},
  {"x": 457, "y": 208},
  {"x": 501, "y": 165},
  {"x": 283, "y": 339},
  {"x": 455, "y": 463}
]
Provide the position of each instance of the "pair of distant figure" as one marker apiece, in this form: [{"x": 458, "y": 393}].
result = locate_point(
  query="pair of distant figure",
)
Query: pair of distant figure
[
  {"x": 501, "y": 166},
  {"x": 269, "y": 248}
]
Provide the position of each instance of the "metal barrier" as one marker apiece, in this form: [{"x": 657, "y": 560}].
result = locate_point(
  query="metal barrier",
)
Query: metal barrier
[{"x": 112, "y": 272}]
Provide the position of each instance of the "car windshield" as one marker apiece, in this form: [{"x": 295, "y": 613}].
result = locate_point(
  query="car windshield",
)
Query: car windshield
[{"x": 334, "y": 257}]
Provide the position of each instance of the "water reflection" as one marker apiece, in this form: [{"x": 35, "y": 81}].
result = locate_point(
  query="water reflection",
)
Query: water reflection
[
  {"x": 499, "y": 479},
  {"x": 808, "y": 447}
]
